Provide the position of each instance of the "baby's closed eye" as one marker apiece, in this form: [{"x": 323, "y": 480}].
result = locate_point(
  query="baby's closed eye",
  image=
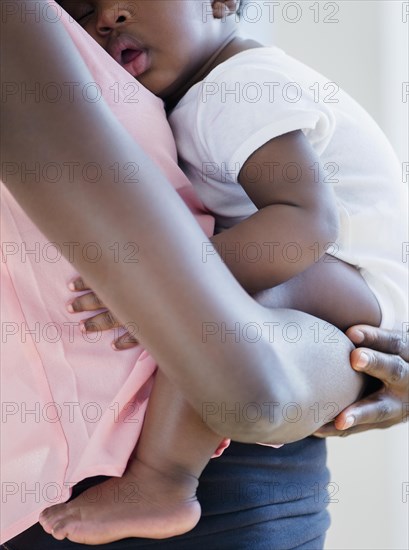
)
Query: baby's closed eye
[{"x": 78, "y": 10}]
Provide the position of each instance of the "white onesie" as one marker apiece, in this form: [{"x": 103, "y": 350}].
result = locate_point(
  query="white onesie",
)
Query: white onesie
[{"x": 263, "y": 93}]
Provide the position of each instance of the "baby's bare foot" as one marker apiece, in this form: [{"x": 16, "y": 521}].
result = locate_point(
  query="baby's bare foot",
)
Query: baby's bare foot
[{"x": 143, "y": 503}]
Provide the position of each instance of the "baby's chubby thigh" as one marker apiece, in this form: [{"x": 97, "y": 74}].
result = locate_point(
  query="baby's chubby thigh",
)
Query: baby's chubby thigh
[{"x": 331, "y": 290}]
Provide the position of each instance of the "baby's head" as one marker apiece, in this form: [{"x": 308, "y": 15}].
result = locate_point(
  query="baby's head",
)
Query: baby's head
[{"x": 162, "y": 43}]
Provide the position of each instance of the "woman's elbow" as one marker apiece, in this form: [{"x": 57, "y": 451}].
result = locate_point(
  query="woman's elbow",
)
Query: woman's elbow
[
  {"x": 253, "y": 418},
  {"x": 244, "y": 401}
]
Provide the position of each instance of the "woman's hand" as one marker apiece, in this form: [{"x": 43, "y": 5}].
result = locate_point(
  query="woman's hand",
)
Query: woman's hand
[
  {"x": 387, "y": 363},
  {"x": 383, "y": 355},
  {"x": 105, "y": 320}
]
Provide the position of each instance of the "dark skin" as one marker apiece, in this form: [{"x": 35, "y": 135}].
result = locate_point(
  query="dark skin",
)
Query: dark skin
[
  {"x": 304, "y": 213},
  {"x": 246, "y": 371},
  {"x": 386, "y": 359},
  {"x": 161, "y": 306},
  {"x": 170, "y": 76},
  {"x": 380, "y": 354}
]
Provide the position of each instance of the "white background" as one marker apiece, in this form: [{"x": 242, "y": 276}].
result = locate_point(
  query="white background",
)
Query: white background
[{"x": 366, "y": 53}]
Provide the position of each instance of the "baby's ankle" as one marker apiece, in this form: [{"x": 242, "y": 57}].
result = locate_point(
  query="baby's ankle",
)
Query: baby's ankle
[{"x": 170, "y": 476}]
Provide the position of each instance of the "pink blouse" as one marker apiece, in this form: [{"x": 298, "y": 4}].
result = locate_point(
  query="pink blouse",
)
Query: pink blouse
[{"x": 71, "y": 406}]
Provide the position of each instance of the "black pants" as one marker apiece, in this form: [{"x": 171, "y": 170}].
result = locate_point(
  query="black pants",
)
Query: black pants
[{"x": 253, "y": 498}]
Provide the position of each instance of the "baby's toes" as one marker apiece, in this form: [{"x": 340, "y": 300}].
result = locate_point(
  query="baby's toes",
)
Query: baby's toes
[
  {"x": 61, "y": 528},
  {"x": 50, "y": 516}
]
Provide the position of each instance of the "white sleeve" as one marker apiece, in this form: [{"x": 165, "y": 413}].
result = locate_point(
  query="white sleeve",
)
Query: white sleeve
[{"x": 243, "y": 107}]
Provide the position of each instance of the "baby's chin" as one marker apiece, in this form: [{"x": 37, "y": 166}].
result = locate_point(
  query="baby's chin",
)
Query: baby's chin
[{"x": 157, "y": 85}]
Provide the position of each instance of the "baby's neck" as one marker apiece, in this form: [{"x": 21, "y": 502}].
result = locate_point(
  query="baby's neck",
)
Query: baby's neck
[{"x": 230, "y": 47}]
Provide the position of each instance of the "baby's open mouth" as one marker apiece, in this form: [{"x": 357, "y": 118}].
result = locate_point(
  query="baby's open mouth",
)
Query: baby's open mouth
[{"x": 129, "y": 55}]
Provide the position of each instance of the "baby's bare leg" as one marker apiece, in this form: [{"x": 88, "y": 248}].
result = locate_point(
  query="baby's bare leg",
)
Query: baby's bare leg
[
  {"x": 156, "y": 497},
  {"x": 331, "y": 290}
]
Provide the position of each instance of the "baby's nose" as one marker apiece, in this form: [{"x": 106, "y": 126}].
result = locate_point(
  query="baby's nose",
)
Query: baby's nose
[{"x": 110, "y": 16}]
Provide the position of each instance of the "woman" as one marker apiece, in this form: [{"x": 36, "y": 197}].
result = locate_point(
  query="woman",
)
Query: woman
[{"x": 206, "y": 375}]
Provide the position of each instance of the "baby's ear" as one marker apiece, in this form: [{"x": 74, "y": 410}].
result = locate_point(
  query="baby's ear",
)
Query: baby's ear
[{"x": 224, "y": 8}]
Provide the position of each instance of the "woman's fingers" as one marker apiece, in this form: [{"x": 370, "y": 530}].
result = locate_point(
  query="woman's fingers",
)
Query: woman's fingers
[
  {"x": 384, "y": 356},
  {"x": 78, "y": 285},
  {"x": 86, "y": 302},
  {"x": 102, "y": 321},
  {"x": 387, "y": 406},
  {"x": 390, "y": 369},
  {"x": 387, "y": 341},
  {"x": 329, "y": 430},
  {"x": 378, "y": 408}
]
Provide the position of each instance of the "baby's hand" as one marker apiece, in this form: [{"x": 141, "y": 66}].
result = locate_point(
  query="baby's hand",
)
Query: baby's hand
[
  {"x": 384, "y": 355},
  {"x": 104, "y": 320}
]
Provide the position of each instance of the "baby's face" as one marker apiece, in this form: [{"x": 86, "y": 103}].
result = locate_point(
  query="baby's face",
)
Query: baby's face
[{"x": 162, "y": 43}]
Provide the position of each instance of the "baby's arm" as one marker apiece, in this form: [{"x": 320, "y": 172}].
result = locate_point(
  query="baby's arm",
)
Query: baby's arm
[{"x": 295, "y": 218}]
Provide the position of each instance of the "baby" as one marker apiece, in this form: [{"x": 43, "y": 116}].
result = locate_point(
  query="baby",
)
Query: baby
[{"x": 306, "y": 194}]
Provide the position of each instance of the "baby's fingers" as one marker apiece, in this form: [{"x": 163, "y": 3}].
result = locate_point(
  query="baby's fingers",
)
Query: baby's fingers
[
  {"x": 102, "y": 321},
  {"x": 86, "y": 302},
  {"x": 78, "y": 285},
  {"x": 126, "y": 341}
]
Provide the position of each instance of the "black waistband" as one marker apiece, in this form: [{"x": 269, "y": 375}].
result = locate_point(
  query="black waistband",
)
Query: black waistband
[{"x": 252, "y": 497}]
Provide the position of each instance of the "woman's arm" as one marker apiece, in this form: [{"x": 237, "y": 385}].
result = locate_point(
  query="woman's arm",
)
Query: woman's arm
[
  {"x": 385, "y": 360},
  {"x": 170, "y": 293}
]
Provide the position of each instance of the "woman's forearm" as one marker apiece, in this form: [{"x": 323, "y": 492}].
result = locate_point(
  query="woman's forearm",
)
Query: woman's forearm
[{"x": 169, "y": 293}]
